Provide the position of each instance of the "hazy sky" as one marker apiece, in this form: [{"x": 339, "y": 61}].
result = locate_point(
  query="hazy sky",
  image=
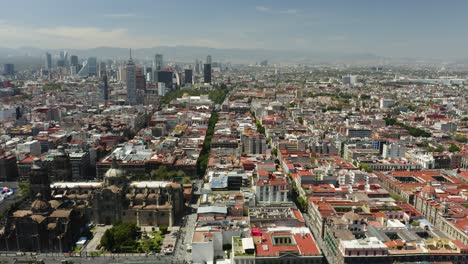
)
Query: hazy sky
[{"x": 397, "y": 28}]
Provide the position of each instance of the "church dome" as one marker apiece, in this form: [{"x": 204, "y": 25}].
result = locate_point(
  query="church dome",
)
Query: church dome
[
  {"x": 114, "y": 173},
  {"x": 40, "y": 205}
]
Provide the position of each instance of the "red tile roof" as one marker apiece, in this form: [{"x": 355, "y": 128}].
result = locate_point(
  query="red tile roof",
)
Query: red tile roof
[{"x": 304, "y": 245}]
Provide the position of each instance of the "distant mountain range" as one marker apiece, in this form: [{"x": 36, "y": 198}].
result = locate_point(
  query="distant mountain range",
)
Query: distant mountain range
[{"x": 188, "y": 54}]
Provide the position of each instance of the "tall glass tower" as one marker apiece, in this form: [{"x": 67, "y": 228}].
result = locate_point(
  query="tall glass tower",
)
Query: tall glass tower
[
  {"x": 130, "y": 70},
  {"x": 48, "y": 61}
]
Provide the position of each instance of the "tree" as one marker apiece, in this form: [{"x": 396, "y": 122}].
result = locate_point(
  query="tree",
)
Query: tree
[
  {"x": 365, "y": 167},
  {"x": 121, "y": 238},
  {"x": 302, "y": 202},
  {"x": 460, "y": 138},
  {"x": 186, "y": 180},
  {"x": 274, "y": 151},
  {"x": 24, "y": 188},
  {"x": 163, "y": 229},
  {"x": 163, "y": 174},
  {"x": 412, "y": 108},
  {"x": 453, "y": 148},
  {"x": 300, "y": 120},
  {"x": 436, "y": 149},
  {"x": 390, "y": 121},
  {"x": 52, "y": 87}
]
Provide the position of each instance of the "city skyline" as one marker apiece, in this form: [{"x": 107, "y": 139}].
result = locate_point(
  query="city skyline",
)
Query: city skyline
[{"x": 392, "y": 29}]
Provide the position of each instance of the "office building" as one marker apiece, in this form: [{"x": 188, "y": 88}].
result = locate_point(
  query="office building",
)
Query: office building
[
  {"x": 165, "y": 77},
  {"x": 73, "y": 60},
  {"x": 140, "y": 83},
  {"x": 60, "y": 63},
  {"x": 73, "y": 70},
  {"x": 8, "y": 168},
  {"x": 188, "y": 76},
  {"x": 8, "y": 69},
  {"x": 102, "y": 69},
  {"x": 386, "y": 103},
  {"x": 130, "y": 73},
  {"x": 161, "y": 89},
  {"x": 158, "y": 62},
  {"x": 48, "y": 61},
  {"x": 149, "y": 74},
  {"x": 350, "y": 80},
  {"x": 207, "y": 73},
  {"x": 253, "y": 143},
  {"x": 89, "y": 67},
  {"x": 105, "y": 88},
  {"x": 208, "y": 59},
  {"x": 197, "y": 67},
  {"x": 63, "y": 59}
]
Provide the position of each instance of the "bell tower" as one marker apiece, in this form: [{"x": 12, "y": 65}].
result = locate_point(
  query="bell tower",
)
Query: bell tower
[{"x": 39, "y": 180}]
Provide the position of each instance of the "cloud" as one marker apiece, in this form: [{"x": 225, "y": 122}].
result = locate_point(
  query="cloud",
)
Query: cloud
[
  {"x": 269, "y": 10},
  {"x": 122, "y": 15},
  {"x": 289, "y": 11},
  {"x": 263, "y": 9},
  {"x": 338, "y": 37},
  {"x": 72, "y": 37}
]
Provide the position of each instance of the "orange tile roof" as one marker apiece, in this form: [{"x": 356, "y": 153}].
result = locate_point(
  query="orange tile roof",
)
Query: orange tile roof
[{"x": 305, "y": 245}]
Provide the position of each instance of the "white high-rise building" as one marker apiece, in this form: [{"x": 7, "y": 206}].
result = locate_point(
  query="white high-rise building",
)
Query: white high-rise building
[
  {"x": 386, "y": 103},
  {"x": 161, "y": 89},
  {"x": 393, "y": 151}
]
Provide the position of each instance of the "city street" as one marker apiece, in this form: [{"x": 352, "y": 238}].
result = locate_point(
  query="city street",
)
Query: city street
[
  {"x": 98, "y": 233},
  {"x": 185, "y": 237}
]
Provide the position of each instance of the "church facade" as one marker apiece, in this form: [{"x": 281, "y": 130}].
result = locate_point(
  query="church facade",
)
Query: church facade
[{"x": 53, "y": 221}]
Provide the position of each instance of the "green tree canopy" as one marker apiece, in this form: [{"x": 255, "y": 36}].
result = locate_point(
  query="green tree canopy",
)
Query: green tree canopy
[
  {"x": 121, "y": 238},
  {"x": 453, "y": 148}
]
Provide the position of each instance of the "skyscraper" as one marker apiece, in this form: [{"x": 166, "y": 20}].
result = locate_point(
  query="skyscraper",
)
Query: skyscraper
[
  {"x": 140, "y": 85},
  {"x": 102, "y": 69},
  {"x": 207, "y": 73},
  {"x": 208, "y": 59},
  {"x": 158, "y": 62},
  {"x": 130, "y": 73},
  {"x": 62, "y": 61},
  {"x": 149, "y": 74},
  {"x": 48, "y": 61},
  {"x": 105, "y": 88},
  {"x": 92, "y": 66},
  {"x": 8, "y": 69},
  {"x": 197, "y": 67},
  {"x": 73, "y": 60},
  {"x": 188, "y": 76},
  {"x": 166, "y": 77},
  {"x": 89, "y": 67}
]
